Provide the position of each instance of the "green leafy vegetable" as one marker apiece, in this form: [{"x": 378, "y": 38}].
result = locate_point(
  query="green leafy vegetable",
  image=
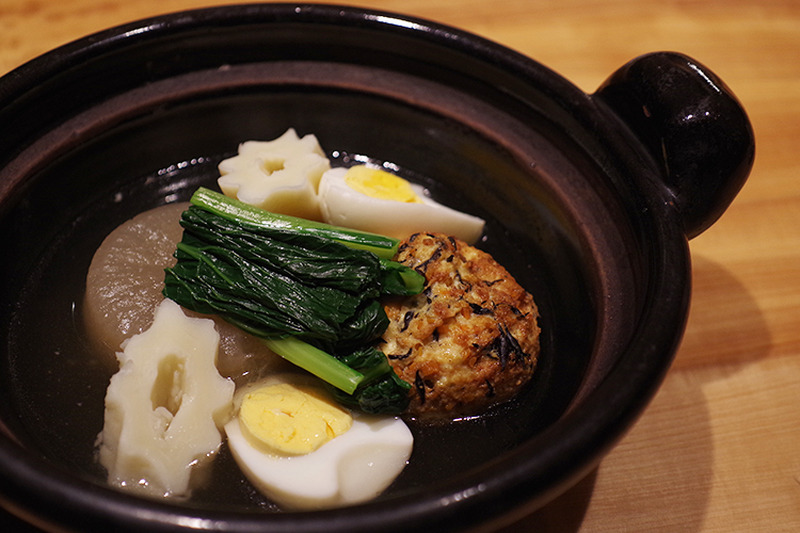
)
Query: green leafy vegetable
[
  {"x": 382, "y": 246},
  {"x": 380, "y": 391},
  {"x": 308, "y": 289}
]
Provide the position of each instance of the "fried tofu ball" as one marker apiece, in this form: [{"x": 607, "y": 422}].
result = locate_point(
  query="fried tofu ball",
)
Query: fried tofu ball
[{"x": 470, "y": 340}]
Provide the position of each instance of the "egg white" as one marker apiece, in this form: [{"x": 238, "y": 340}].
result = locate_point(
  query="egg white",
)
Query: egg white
[
  {"x": 343, "y": 206},
  {"x": 353, "y": 467}
]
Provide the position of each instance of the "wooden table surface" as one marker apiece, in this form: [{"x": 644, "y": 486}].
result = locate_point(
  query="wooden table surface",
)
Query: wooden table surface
[{"x": 719, "y": 447}]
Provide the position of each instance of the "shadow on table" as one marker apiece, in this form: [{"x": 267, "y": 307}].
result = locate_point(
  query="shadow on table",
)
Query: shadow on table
[
  {"x": 726, "y": 328},
  {"x": 726, "y": 331},
  {"x": 565, "y": 514}
]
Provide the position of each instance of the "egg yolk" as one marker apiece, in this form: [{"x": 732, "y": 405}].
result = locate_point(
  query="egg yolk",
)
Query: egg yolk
[
  {"x": 290, "y": 420},
  {"x": 378, "y": 183}
]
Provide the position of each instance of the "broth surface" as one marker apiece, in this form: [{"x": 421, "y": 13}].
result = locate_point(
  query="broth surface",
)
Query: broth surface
[{"x": 59, "y": 380}]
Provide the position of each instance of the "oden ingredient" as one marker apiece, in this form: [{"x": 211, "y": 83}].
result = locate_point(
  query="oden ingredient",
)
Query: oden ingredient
[
  {"x": 310, "y": 290},
  {"x": 318, "y": 455},
  {"x": 166, "y": 406},
  {"x": 291, "y": 175},
  {"x": 372, "y": 199},
  {"x": 290, "y": 419},
  {"x": 281, "y": 175},
  {"x": 124, "y": 285},
  {"x": 470, "y": 339}
]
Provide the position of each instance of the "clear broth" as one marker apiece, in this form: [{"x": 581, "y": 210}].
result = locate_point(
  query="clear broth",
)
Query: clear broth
[{"x": 58, "y": 384}]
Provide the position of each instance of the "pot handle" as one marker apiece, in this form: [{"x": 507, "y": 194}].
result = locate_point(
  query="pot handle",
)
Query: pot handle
[{"x": 693, "y": 126}]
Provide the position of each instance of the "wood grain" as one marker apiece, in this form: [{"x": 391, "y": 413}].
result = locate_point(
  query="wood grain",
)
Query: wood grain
[{"x": 719, "y": 447}]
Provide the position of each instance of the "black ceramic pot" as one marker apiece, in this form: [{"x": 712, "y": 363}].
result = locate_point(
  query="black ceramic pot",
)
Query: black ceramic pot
[{"x": 589, "y": 201}]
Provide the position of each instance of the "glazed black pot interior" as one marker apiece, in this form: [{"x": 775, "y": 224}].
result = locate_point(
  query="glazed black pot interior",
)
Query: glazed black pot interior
[{"x": 577, "y": 207}]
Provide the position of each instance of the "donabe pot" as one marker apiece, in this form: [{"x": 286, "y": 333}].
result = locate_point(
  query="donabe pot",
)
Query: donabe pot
[{"x": 589, "y": 201}]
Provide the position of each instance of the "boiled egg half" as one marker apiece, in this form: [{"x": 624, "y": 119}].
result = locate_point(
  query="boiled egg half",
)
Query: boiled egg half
[
  {"x": 371, "y": 199},
  {"x": 303, "y": 451}
]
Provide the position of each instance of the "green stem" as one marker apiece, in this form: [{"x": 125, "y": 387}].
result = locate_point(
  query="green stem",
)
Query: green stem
[{"x": 316, "y": 361}]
